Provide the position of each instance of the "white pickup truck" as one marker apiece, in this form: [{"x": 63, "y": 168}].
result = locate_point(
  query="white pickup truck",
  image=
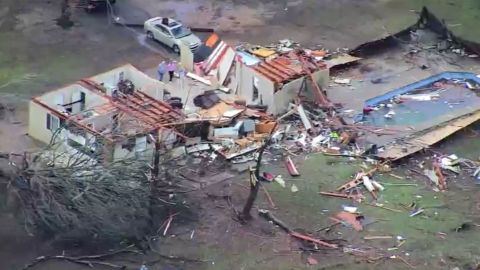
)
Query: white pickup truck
[{"x": 171, "y": 33}]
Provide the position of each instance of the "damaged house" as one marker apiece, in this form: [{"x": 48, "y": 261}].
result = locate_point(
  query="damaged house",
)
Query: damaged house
[
  {"x": 263, "y": 77},
  {"x": 109, "y": 116}
]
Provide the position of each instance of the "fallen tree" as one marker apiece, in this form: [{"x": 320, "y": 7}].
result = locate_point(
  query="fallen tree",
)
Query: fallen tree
[
  {"x": 80, "y": 199},
  {"x": 74, "y": 195}
]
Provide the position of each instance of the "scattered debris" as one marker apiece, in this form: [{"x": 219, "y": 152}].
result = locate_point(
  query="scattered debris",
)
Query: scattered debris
[
  {"x": 342, "y": 81},
  {"x": 292, "y": 169},
  {"x": 379, "y": 237},
  {"x": 355, "y": 197},
  {"x": 280, "y": 181}
]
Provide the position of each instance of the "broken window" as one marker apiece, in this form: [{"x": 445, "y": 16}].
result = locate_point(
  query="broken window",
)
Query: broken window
[
  {"x": 53, "y": 123},
  {"x": 255, "y": 89},
  {"x": 82, "y": 101},
  {"x": 140, "y": 144},
  {"x": 129, "y": 144}
]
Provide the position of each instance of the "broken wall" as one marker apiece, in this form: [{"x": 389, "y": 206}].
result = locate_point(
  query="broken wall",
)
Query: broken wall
[
  {"x": 145, "y": 150},
  {"x": 251, "y": 80},
  {"x": 70, "y": 94},
  {"x": 142, "y": 148},
  {"x": 285, "y": 95},
  {"x": 289, "y": 91},
  {"x": 322, "y": 77},
  {"x": 141, "y": 81},
  {"x": 100, "y": 122}
]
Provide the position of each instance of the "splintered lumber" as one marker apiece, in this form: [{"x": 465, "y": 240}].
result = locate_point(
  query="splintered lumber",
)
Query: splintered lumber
[
  {"x": 358, "y": 179},
  {"x": 384, "y": 207},
  {"x": 442, "y": 183},
  {"x": 435, "y": 134},
  {"x": 350, "y": 184},
  {"x": 292, "y": 170},
  {"x": 378, "y": 237},
  {"x": 267, "y": 194},
  {"x": 313, "y": 240},
  {"x": 268, "y": 216},
  {"x": 355, "y": 197}
]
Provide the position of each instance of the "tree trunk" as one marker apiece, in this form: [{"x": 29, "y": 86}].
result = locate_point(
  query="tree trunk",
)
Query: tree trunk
[
  {"x": 252, "y": 196},
  {"x": 156, "y": 159},
  {"x": 254, "y": 183}
]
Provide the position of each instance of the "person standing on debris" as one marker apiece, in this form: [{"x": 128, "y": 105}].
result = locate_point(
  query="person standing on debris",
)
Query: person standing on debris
[
  {"x": 171, "y": 67},
  {"x": 162, "y": 68}
]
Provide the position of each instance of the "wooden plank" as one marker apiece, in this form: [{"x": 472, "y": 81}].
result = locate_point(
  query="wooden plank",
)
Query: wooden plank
[{"x": 432, "y": 136}]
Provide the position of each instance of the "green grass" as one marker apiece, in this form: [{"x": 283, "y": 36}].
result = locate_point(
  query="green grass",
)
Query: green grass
[
  {"x": 462, "y": 17},
  {"x": 308, "y": 210}
]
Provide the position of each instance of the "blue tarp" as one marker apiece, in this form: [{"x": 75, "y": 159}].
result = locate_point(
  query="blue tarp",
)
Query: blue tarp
[{"x": 449, "y": 75}]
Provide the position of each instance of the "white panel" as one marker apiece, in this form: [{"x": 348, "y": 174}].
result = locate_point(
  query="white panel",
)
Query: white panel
[{"x": 76, "y": 106}]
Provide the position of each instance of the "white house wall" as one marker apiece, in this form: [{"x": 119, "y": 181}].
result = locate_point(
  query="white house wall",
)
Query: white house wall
[
  {"x": 37, "y": 124},
  {"x": 140, "y": 80},
  {"x": 285, "y": 96},
  {"x": 265, "y": 87},
  {"x": 290, "y": 90},
  {"x": 66, "y": 95}
]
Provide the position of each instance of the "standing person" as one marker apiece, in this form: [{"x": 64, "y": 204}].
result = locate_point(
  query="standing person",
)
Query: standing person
[
  {"x": 162, "y": 68},
  {"x": 182, "y": 72},
  {"x": 171, "y": 67}
]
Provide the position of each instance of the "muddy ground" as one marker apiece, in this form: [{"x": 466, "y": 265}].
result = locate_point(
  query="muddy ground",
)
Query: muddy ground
[{"x": 37, "y": 55}]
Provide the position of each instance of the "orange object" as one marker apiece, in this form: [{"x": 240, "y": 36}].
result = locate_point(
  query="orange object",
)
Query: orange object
[
  {"x": 265, "y": 127},
  {"x": 351, "y": 184},
  {"x": 442, "y": 182},
  {"x": 292, "y": 169},
  {"x": 212, "y": 39},
  {"x": 350, "y": 219},
  {"x": 320, "y": 53}
]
